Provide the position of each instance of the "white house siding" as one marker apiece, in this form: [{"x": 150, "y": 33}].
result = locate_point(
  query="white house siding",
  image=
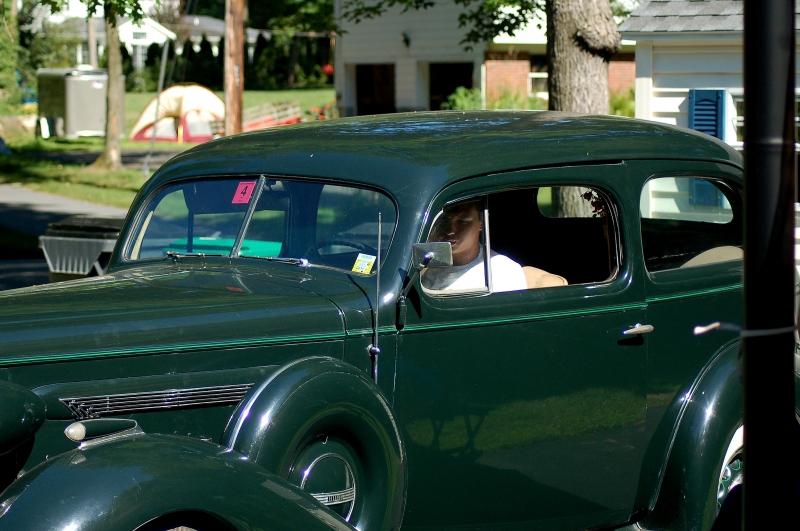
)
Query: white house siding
[
  {"x": 434, "y": 37},
  {"x": 666, "y": 71}
]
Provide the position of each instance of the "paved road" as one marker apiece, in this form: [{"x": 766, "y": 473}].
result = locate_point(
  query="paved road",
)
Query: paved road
[
  {"x": 133, "y": 160},
  {"x": 29, "y": 212}
]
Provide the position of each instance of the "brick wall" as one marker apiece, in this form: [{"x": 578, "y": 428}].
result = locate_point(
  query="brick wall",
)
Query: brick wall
[
  {"x": 511, "y": 75},
  {"x": 621, "y": 73},
  {"x": 508, "y": 76}
]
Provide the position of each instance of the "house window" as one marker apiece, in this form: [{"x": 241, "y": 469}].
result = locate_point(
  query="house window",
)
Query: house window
[
  {"x": 139, "y": 56},
  {"x": 738, "y": 101},
  {"x": 139, "y": 35}
]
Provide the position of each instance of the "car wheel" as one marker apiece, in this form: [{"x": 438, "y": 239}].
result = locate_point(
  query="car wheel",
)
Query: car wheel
[{"x": 732, "y": 473}]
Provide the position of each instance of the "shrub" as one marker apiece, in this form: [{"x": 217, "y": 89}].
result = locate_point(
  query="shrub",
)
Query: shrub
[
  {"x": 463, "y": 99},
  {"x": 623, "y": 103}
]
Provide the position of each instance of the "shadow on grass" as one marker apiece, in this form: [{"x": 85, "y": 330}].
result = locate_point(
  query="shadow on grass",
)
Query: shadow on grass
[{"x": 116, "y": 188}]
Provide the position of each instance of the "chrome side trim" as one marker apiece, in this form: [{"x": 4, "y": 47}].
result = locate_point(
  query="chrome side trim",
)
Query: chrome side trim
[
  {"x": 132, "y": 432},
  {"x": 110, "y": 405},
  {"x": 638, "y": 329}
]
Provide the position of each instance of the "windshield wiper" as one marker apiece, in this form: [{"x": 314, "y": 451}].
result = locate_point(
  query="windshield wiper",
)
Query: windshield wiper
[
  {"x": 174, "y": 255},
  {"x": 302, "y": 262}
]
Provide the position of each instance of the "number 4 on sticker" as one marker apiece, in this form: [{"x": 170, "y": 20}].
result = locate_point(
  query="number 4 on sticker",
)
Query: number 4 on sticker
[{"x": 243, "y": 192}]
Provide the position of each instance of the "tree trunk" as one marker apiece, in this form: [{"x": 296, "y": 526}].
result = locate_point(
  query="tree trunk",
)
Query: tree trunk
[
  {"x": 111, "y": 157},
  {"x": 568, "y": 202},
  {"x": 234, "y": 65},
  {"x": 581, "y": 38},
  {"x": 293, "y": 61}
]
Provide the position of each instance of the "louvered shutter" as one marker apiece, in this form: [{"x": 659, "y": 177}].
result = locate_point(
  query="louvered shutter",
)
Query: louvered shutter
[
  {"x": 707, "y": 115},
  {"x": 707, "y": 112}
]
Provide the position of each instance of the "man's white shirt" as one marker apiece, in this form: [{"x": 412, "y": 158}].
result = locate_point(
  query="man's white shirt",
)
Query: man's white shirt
[{"x": 507, "y": 275}]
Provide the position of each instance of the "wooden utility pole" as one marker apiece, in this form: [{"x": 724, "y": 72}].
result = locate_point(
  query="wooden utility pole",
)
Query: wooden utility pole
[
  {"x": 234, "y": 65},
  {"x": 92, "y": 38}
]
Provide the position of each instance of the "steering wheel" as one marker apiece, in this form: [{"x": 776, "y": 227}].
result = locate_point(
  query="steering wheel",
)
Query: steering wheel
[{"x": 313, "y": 251}]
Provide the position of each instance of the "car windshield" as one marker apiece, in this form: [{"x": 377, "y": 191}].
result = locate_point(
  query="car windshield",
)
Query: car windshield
[{"x": 324, "y": 224}]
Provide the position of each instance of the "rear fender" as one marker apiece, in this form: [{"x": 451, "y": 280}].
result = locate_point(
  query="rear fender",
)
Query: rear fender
[
  {"x": 713, "y": 413},
  {"x": 140, "y": 482}
]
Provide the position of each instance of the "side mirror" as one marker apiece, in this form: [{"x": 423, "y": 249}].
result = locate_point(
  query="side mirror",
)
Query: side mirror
[{"x": 431, "y": 254}]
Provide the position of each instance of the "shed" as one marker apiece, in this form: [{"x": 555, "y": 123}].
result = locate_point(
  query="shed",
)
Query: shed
[
  {"x": 72, "y": 102},
  {"x": 689, "y": 64}
]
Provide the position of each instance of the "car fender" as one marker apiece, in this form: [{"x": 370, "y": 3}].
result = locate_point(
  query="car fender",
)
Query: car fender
[
  {"x": 22, "y": 413},
  {"x": 136, "y": 482},
  {"x": 319, "y": 401},
  {"x": 712, "y": 414}
]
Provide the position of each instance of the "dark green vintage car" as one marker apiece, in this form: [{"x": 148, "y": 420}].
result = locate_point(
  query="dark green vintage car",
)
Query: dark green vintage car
[{"x": 454, "y": 320}]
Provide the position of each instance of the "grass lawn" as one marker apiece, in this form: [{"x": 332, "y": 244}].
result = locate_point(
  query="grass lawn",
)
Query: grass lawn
[
  {"x": 114, "y": 188},
  {"x": 109, "y": 188},
  {"x": 135, "y": 103}
]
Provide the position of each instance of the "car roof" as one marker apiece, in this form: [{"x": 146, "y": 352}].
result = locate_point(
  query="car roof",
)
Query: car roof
[{"x": 434, "y": 149}]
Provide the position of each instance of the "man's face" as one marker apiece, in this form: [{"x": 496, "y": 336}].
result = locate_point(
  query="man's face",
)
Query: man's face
[{"x": 460, "y": 225}]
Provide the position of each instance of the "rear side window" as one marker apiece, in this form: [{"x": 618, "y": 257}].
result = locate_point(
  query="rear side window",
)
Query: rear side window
[{"x": 690, "y": 222}]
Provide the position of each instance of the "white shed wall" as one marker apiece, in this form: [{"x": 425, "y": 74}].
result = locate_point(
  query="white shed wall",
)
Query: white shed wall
[
  {"x": 678, "y": 68},
  {"x": 667, "y": 69},
  {"x": 434, "y": 37}
]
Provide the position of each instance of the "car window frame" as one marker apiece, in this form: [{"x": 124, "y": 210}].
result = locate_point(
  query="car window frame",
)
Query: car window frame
[
  {"x": 134, "y": 226},
  {"x": 576, "y": 175},
  {"x": 705, "y": 271},
  {"x": 678, "y": 283}
]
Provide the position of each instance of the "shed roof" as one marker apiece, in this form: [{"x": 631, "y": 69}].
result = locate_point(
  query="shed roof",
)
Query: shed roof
[
  {"x": 685, "y": 15},
  {"x": 675, "y": 16}
]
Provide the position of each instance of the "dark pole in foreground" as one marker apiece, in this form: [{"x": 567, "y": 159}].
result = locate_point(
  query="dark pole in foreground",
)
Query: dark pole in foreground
[{"x": 770, "y": 451}]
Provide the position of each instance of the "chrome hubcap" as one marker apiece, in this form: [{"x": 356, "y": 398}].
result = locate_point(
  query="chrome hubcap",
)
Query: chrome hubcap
[
  {"x": 732, "y": 476},
  {"x": 324, "y": 471}
]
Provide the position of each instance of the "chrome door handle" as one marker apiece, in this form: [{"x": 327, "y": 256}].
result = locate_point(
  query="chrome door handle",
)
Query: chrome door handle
[{"x": 638, "y": 329}]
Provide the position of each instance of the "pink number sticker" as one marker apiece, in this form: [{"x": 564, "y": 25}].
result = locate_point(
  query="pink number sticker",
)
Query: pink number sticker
[{"x": 243, "y": 192}]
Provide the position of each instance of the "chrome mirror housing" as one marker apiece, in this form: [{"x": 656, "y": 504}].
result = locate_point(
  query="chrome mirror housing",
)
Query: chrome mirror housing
[{"x": 431, "y": 254}]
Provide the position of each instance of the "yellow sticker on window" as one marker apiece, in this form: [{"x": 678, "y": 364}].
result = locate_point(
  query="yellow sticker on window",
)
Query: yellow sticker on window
[{"x": 364, "y": 263}]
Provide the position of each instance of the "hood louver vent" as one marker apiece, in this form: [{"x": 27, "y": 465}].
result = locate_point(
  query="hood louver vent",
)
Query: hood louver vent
[{"x": 109, "y": 405}]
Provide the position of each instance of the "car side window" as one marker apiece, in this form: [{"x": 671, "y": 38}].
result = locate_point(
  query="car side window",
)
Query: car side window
[
  {"x": 690, "y": 222},
  {"x": 536, "y": 237}
]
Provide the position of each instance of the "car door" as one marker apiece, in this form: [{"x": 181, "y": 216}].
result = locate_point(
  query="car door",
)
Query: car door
[
  {"x": 691, "y": 225},
  {"x": 525, "y": 408}
]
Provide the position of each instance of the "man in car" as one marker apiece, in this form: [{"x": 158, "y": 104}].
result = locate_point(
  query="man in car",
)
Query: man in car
[{"x": 461, "y": 224}]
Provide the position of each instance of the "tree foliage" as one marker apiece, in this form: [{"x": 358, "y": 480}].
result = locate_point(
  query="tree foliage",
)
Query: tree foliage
[
  {"x": 483, "y": 19},
  {"x": 8, "y": 53}
]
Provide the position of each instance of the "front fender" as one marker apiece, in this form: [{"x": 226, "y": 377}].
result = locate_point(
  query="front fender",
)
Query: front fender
[
  {"x": 316, "y": 408},
  {"x": 124, "y": 484}
]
